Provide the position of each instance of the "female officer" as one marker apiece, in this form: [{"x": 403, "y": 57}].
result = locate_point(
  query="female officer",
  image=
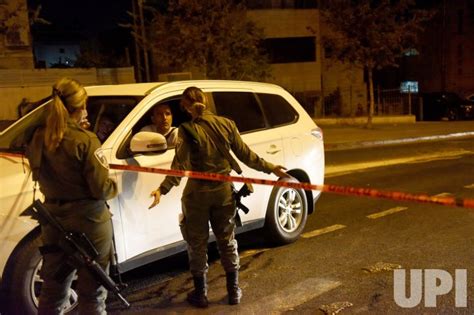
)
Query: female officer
[
  {"x": 73, "y": 175},
  {"x": 209, "y": 201}
]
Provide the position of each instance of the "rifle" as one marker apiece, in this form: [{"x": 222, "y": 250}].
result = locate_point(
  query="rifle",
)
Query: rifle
[
  {"x": 78, "y": 248},
  {"x": 244, "y": 191}
]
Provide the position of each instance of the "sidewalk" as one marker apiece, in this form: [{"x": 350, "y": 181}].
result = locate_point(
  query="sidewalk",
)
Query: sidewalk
[{"x": 341, "y": 137}]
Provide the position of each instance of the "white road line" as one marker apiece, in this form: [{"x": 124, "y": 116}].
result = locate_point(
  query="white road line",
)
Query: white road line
[
  {"x": 323, "y": 231},
  {"x": 290, "y": 297},
  {"x": 386, "y": 212},
  {"x": 469, "y": 186},
  {"x": 336, "y": 170},
  {"x": 442, "y": 195}
]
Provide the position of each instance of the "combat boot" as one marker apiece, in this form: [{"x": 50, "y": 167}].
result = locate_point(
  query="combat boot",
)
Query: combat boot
[
  {"x": 233, "y": 290},
  {"x": 198, "y": 297}
]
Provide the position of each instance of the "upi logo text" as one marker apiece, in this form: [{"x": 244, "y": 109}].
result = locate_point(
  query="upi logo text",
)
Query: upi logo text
[{"x": 436, "y": 282}]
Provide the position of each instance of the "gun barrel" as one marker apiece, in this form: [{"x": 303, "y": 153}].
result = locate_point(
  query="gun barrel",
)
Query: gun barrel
[{"x": 80, "y": 247}]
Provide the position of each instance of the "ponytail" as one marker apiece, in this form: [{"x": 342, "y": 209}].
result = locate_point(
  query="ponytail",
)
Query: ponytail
[
  {"x": 197, "y": 98},
  {"x": 55, "y": 124},
  {"x": 68, "y": 96},
  {"x": 199, "y": 108}
]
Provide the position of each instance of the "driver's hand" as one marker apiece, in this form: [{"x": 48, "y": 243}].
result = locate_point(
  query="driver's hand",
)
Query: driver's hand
[
  {"x": 279, "y": 171},
  {"x": 156, "y": 194}
]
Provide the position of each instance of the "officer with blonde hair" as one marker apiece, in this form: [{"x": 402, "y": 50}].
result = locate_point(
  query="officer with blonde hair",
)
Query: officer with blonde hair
[
  {"x": 202, "y": 146},
  {"x": 73, "y": 175}
]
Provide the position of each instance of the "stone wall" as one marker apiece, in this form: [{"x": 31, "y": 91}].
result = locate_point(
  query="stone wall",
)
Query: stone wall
[{"x": 32, "y": 85}]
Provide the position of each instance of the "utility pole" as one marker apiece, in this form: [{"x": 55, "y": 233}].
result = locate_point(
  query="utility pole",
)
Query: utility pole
[
  {"x": 144, "y": 41},
  {"x": 137, "y": 47},
  {"x": 444, "y": 39}
]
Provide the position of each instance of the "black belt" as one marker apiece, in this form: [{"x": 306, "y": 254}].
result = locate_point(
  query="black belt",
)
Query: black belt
[{"x": 61, "y": 201}]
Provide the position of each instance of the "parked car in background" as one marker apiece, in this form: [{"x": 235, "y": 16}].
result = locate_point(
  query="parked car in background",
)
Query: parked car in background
[
  {"x": 270, "y": 120},
  {"x": 446, "y": 105},
  {"x": 470, "y": 97}
]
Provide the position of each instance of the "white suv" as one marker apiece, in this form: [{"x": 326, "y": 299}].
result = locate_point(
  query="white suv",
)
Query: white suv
[{"x": 270, "y": 120}]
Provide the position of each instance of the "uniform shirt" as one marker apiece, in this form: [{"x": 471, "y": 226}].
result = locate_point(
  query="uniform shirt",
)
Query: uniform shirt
[
  {"x": 76, "y": 170},
  {"x": 203, "y": 155},
  {"x": 171, "y": 136}
]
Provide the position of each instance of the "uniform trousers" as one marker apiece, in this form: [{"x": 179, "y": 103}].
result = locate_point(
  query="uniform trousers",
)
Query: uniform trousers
[
  {"x": 91, "y": 295},
  {"x": 216, "y": 206}
]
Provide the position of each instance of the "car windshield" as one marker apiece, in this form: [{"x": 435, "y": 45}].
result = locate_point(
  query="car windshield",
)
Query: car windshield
[{"x": 104, "y": 113}]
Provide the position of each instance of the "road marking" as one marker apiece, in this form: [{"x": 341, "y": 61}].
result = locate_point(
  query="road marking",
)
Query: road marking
[
  {"x": 444, "y": 194},
  {"x": 325, "y": 230},
  {"x": 386, "y": 212},
  {"x": 469, "y": 186},
  {"x": 252, "y": 252},
  {"x": 336, "y": 170},
  {"x": 290, "y": 297}
]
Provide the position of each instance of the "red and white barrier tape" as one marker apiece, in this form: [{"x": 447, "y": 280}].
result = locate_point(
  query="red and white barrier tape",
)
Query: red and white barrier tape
[{"x": 342, "y": 190}]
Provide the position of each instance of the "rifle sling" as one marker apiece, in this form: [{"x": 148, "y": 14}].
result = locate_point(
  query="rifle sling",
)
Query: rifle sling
[{"x": 220, "y": 146}]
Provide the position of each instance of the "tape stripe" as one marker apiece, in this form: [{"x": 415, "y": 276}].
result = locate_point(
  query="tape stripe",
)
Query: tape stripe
[{"x": 342, "y": 190}]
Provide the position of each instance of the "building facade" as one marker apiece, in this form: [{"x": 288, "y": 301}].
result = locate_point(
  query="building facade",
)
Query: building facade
[
  {"x": 15, "y": 38},
  {"x": 447, "y": 51},
  {"x": 294, "y": 35}
]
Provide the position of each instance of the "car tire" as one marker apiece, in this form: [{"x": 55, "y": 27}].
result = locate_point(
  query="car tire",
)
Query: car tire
[
  {"x": 286, "y": 216},
  {"x": 23, "y": 282}
]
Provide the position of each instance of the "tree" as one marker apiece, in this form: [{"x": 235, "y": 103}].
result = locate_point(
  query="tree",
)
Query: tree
[
  {"x": 372, "y": 34},
  {"x": 213, "y": 36}
]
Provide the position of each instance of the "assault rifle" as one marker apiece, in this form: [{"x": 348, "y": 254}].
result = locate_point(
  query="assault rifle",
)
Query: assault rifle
[
  {"x": 244, "y": 191},
  {"x": 78, "y": 248}
]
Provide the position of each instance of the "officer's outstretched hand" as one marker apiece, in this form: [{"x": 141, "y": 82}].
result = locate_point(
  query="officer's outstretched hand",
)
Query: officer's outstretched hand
[
  {"x": 279, "y": 172},
  {"x": 157, "y": 195}
]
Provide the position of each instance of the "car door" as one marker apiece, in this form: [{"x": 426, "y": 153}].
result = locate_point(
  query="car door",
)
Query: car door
[
  {"x": 143, "y": 230},
  {"x": 245, "y": 110}
]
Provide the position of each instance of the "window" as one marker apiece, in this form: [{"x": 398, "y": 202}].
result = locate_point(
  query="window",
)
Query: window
[
  {"x": 242, "y": 107},
  {"x": 106, "y": 113},
  {"x": 277, "y": 110},
  {"x": 291, "y": 49}
]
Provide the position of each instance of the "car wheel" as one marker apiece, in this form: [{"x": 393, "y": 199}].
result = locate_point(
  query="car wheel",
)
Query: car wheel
[
  {"x": 23, "y": 284},
  {"x": 452, "y": 114},
  {"x": 286, "y": 215}
]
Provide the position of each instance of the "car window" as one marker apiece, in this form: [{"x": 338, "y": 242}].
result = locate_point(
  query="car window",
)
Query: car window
[
  {"x": 106, "y": 113},
  {"x": 242, "y": 107},
  {"x": 16, "y": 136},
  {"x": 277, "y": 110}
]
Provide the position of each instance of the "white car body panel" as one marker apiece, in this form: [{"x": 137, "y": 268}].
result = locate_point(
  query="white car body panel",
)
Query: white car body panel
[{"x": 137, "y": 229}]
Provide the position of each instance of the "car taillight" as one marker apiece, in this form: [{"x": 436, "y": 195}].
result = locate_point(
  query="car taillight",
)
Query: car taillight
[{"x": 318, "y": 133}]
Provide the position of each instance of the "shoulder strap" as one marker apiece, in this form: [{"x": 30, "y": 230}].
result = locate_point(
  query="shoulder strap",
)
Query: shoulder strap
[
  {"x": 220, "y": 146},
  {"x": 189, "y": 130}
]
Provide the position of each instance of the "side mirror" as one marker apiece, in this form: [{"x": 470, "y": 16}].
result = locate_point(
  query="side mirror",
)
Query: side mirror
[{"x": 148, "y": 142}]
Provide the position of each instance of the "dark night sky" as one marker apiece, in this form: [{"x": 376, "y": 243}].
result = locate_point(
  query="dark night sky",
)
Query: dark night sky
[{"x": 88, "y": 17}]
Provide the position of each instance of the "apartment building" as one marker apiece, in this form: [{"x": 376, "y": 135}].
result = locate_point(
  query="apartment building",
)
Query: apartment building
[
  {"x": 15, "y": 39},
  {"x": 293, "y": 39}
]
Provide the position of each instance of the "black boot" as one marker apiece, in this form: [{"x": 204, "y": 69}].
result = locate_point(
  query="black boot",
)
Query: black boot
[
  {"x": 233, "y": 290},
  {"x": 198, "y": 297}
]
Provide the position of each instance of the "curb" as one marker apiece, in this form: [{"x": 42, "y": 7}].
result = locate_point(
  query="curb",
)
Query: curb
[
  {"x": 362, "y": 120},
  {"x": 376, "y": 143}
]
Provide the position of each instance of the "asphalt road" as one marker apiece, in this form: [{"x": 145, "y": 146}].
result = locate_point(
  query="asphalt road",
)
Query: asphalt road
[{"x": 345, "y": 246}]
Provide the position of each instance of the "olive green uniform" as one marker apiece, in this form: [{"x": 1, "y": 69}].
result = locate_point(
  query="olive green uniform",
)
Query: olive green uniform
[
  {"x": 209, "y": 201},
  {"x": 75, "y": 182}
]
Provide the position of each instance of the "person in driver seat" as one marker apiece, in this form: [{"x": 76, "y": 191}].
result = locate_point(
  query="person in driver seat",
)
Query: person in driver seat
[{"x": 162, "y": 119}]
